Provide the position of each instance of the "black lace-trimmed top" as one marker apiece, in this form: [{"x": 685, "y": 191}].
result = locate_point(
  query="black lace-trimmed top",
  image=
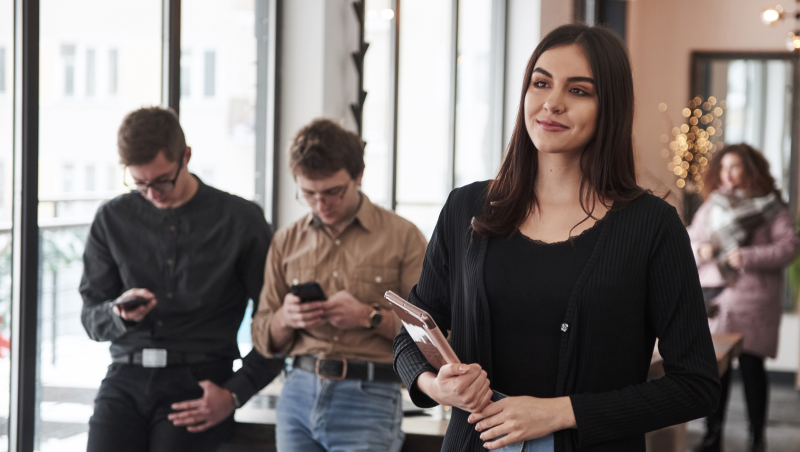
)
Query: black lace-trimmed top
[{"x": 528, "y": 284}]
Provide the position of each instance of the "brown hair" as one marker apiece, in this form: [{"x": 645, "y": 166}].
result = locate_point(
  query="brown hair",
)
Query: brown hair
[
  {"x": 323, "y": 147},
  {"x": 146, "y": 132},
  {"x": 757, "y": 177},
  {"x": 606, "y": 162}
]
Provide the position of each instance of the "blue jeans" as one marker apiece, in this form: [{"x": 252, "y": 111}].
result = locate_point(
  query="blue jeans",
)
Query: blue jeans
[
  {"x": 319, "y": 415},
  {"x": 544, "y": 444}
]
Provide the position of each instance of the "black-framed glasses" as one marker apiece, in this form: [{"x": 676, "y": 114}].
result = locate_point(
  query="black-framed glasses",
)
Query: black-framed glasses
[
  {"x": 325, "y": 196},
  {"x": 165, "y": 186}
]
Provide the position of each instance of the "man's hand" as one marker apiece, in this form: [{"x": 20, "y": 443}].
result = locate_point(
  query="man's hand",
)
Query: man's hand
[
  {"x": 140, "y": 312},
  {"x": 297, "y": 315},
  {"x": 203, "y": 413},
  {"x": 344, "y": 311}
]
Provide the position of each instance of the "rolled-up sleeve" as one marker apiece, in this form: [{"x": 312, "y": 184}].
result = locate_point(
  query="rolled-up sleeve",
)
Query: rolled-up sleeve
[{"x": 271, "y": 299}]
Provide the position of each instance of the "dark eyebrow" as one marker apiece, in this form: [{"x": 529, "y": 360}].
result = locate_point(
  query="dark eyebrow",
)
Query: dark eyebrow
[{"x": 571, "y": 79}]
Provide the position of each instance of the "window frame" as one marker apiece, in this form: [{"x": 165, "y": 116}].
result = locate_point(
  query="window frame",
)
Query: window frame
[{"x": 26, "y": 252}]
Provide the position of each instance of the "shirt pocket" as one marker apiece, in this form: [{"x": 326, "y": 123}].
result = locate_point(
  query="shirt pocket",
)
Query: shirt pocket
[
  {"x": 372, "y": 281},
  {"x": 300, "y": 272}
]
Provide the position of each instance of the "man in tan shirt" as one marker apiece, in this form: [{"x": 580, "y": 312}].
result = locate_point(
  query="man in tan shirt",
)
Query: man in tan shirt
[{"x": 341, "y": 393}]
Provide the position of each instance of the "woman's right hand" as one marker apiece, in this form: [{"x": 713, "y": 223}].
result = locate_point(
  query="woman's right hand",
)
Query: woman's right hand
[{"x": 464, "y": 386}]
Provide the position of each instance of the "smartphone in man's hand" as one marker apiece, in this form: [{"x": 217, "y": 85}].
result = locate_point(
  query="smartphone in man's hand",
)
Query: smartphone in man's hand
[
  {"x": 310, "y": 291},
  {"x": 130, "y": 303}
]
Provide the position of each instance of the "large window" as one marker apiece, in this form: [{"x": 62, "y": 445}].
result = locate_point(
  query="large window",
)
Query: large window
[
  {"x": 99, "y": 60},
  {"x": 218, "y": 87},
  {"x": 6, "y": 176},
  {"x": 378, "y": 117},
  {"x": 450, "y": 101}
]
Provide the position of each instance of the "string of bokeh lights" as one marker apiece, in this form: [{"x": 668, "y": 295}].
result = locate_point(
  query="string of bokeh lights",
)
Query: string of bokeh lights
[{"x": 693, "y": 144}]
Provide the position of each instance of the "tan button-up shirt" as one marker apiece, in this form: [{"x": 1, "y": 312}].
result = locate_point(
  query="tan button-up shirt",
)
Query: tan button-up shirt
[{"x": 376, "y": 252}]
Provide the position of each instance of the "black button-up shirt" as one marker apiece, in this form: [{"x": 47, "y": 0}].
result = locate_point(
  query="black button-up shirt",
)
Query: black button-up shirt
[{"x": 202, "y": 260}]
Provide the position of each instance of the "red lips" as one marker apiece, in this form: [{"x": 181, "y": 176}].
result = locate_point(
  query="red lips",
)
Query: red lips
[{"x": 551, "y": 126}]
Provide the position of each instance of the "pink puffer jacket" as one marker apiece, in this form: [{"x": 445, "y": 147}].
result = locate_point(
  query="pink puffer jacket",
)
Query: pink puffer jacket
[{"x": 752, "y": 306}]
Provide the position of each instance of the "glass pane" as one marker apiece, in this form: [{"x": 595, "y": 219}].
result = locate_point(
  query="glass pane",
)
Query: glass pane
[
  {"x": 424, "y": 104},
  {"x": 757, "y": 98},
  {"x": 6, "y": 174},
  {"x": 218, "y": 92},
  {"x": 100, "y": 59},
  {"x": 478, "y": 143},
  {"x": 378, "y": 75}
]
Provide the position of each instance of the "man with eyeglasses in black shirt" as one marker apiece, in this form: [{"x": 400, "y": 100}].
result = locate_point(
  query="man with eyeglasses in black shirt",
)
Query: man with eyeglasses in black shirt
[{"x": 187, "y": 257}]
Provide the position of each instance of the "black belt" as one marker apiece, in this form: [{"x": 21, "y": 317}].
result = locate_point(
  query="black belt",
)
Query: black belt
[
  {"x": 341, "y": 369},
  {"x": 172, "y": 358}
]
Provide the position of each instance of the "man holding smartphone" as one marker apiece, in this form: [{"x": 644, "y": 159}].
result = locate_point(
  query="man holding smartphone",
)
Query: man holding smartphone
[
  {"x": 342, "y": 393},
  {"x": 168, "y": 270}
]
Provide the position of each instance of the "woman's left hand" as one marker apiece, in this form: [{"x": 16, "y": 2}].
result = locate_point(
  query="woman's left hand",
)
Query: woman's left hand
[
  {"x": 522, "y": 418},
  {"x": 735, "y": 259}
]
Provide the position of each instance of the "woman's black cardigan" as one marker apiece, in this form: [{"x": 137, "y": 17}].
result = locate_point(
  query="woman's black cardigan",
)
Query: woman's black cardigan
[{"x": 639, "y": 284}]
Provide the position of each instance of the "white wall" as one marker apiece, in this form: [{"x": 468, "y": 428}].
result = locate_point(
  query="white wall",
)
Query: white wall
[{"x": 318, "y": 79}]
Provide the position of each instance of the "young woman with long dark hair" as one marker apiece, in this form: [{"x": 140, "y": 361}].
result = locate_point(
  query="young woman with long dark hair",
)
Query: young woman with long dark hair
[
  {"x": 744, "y": 237},
  {"x": 555, "y": 278}
]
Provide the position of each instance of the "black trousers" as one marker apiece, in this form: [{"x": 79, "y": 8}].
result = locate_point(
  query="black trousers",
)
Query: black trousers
[
  {"x": 756, "y": 393},
  {"x": 131, "y": 408}
]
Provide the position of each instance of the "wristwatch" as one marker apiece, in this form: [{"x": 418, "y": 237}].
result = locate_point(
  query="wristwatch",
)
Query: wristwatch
[
  {"x": 375, "y": 317},
  {"x": 236, "y": 401}
]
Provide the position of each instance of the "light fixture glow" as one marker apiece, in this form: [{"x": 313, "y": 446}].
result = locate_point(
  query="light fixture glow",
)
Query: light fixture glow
[{"x": 772, "y": 15}]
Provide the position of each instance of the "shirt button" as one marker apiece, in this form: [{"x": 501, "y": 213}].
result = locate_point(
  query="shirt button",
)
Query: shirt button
[
  {"x": 159, "y": 323},
  {"x": 337, "y": 242},
  {"x": 170, "y": 295},
  {"x": 170, "y": 261},
  {"x": 378, "y": 279},
  {"x": 295, "y": 282},
  {"x": 335, "y": 274},
  {"x": 335, "y": 338},
  {"x": 172, "y": 228}
]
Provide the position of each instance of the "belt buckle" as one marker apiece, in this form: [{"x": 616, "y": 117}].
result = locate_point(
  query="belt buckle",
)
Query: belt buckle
[
  {"x": 154, "y": 357},
  {"x": 324, "y": 358}
]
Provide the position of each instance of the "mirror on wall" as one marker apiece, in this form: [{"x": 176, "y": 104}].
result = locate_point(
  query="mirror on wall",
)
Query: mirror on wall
[{"x": 756, "y": 92}]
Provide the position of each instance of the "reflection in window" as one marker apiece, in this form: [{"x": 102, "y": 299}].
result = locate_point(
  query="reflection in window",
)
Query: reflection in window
[
  {"x": 208, "y": 74},
  {"x": 90, "y": 77},
  {"x": 112, "y": 71},
  {"x": 68, "y": 57}
]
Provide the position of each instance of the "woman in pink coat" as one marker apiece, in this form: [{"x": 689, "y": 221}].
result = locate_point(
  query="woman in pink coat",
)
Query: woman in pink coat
[{"x": 743, "y": 236}]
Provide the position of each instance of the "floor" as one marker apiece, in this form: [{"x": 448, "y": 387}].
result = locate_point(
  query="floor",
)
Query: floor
[{"x": 783, "y": 428}]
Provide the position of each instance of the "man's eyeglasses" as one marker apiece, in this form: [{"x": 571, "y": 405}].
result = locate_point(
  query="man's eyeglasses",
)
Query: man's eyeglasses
[
  {"x": 325, "y": 196},
  {"x": 163, "y": 186}
]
